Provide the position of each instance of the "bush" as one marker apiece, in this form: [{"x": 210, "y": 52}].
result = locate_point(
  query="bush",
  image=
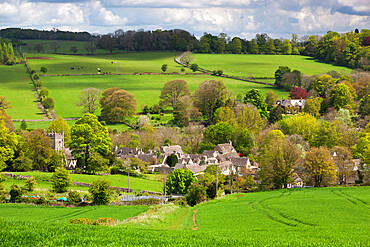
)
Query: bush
[
  {"x": 220, "y": 72},
  {"x": 196, "y": 194},
  {"x": 101, "y": 191},
  {"x": 42, "y": 200},
  {"x": 74, "y": 197},
  {"x": 99, "y": 222},
  {"x": 30, "y": 184},
  {"x": 182, "y": 69},
  {"x": 61, "y": 180},
  {"x": 15, "y": 193},
  {"x": 84, "y": 221},
  {"x": 115, "y": 170},
  {"x": 36, "y": 77}
]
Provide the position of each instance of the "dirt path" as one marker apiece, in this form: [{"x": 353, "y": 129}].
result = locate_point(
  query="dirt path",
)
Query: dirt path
[{"x": 195, "y": 222}]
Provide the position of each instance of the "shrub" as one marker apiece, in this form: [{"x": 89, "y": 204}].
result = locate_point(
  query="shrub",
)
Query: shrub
[
  {"x": 15, "y": 193},
  {"x": 74, "y": 197},
  {"x": 30, "y": 184},
  {"x": 36, "y": 77},
  {"x": 115, "y": 170},
  {"x": 194, "y": 67},
  {"x": 101, "y": 191},
  {"x": 84, "y": 221},
  {"x": 182, "y": 69},
  {"x": 2, "y": 180},
  {"x": 61, "y": 180},
  {"x": 196, "y": 194},
  {"x": 220, "y": 72},
  {"x": 42, "y": 200}
]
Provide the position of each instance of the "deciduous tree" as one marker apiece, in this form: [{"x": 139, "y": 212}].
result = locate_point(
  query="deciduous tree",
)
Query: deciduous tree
[
  {"x": 101, "y": 191},
  {"x": 60, "y": 126},
  {"x": 8, "y": 145},
  {"x": 37, "y": 147},
  {"x": 277, "y": 161},
  {"x": 172, "y": 91},
  {"x": 117, "y": 104},
  {"x": 319, "y": 166},
  {"x": 61, "y": 180},
  {"x": 179, "y": 181},
  {"x": 89, "y": 136},
  {"x": 89, "y": 99},
  {"x": 210, "y": 96}
]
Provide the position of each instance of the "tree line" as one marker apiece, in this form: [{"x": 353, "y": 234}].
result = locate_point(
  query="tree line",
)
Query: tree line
[{"x": 348, "y": 49}]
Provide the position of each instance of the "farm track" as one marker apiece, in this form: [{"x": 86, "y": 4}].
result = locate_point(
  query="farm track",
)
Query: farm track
[
  {"x": 277, "y": 215},
  {"x": 79, "y": 212},
  {"x": 350, "y": 198}
]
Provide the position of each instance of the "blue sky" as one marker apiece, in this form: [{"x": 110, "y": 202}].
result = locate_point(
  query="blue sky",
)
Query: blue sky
[{"x": 243, "y": 18}]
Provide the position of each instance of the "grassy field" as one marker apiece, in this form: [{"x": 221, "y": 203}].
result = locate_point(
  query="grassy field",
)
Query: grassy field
[
  {"x": 297, "y": 217},
  {"x": 63, "y": 214},
  {"x": 137, "y": 184},
  {"x": 137, "y": 62},
  {"x": 146, "y": 88},
  {"x": 16, "y": 86},
  {"x": 262, "y": 65}
]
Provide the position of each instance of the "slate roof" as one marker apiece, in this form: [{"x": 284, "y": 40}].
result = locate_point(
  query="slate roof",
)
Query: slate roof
[
  {"x": 168, "y": 150},
  {"x": 209, "y": 153},
  {"x": 293, "y": 102},
  {"x": 240, "y": 161},
  {"x": 127, "y": 151},
  {"x": 196, "y": 169},
  {"x": 224, "y": 148}
]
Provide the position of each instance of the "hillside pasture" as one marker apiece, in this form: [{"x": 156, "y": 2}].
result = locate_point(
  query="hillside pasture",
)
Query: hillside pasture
[
  {"x": 134, "y": 62},
  {"x": 246, "y": 65},
  {"x": 16, "y": 86},
  {"x": 147, "y": 88}
]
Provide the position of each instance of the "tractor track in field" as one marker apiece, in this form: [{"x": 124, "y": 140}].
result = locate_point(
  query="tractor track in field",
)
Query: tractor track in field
[
  {"x": 277, "y": 215},
  {"x": 351, "y": 199},
  {"x": 81, "y": 211}
]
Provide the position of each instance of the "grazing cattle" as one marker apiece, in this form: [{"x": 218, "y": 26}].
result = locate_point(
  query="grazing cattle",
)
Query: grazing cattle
[{"x": 72, "y": 68}]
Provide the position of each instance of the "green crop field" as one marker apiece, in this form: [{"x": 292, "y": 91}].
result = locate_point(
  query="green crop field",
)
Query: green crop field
[
  {"x": 262, "y": 65},
  {"x": 16, "y": 86},
  {"x": 295, "y": 217},
  {"x": 117, "y": 180},
  {"x": 63, "y": 214}
]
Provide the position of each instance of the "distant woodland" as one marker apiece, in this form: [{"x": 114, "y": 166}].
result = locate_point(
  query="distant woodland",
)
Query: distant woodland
[{"x": 349, "y": 49}]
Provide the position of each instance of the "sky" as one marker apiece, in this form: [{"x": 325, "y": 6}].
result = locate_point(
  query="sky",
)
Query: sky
[{"x": 242, "y": 18}]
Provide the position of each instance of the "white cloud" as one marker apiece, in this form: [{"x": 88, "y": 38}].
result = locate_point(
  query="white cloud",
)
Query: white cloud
[{"x": 234, "y": 17}]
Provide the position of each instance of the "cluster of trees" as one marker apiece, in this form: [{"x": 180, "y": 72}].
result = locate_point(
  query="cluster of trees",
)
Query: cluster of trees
[
  {"x": 6, "y": 52},
  {"x": 116, "y": 104},
  {"x": 43, "y": 92},
  {"x": 54, "y": 34},
  {"x": 349, "y": 49}
]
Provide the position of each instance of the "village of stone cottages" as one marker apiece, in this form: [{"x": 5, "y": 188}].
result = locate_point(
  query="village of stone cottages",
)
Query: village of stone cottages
[{"x": 238, "y": 148}]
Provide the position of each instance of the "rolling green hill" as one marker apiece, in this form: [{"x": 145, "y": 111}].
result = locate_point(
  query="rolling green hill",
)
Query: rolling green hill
[{"x": 16, "y": 86}]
